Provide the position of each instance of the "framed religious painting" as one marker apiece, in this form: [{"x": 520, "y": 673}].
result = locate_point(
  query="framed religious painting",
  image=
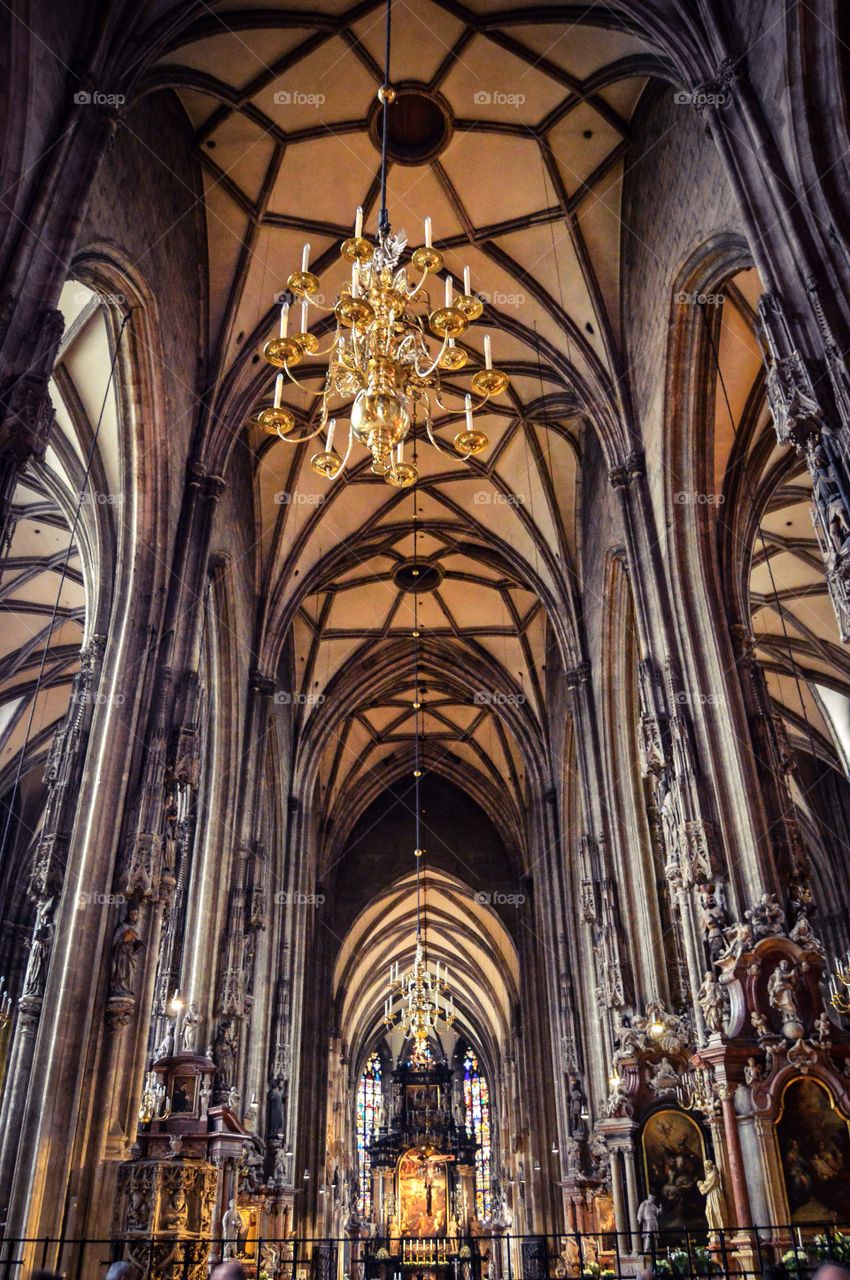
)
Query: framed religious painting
[
  {"x": 184, "y": 1093},
  {"x": 814, "y": 1147},
  {"x": 673, "y": 1157}
]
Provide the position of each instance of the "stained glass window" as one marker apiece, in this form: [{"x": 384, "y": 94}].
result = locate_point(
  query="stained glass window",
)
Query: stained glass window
[
  {"x": 476, "y": 1099},
  {"x": 369, "y": 1097}
]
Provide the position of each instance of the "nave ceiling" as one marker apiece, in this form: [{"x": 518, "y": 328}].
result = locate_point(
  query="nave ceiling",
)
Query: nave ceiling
[{"x": 282, "y": 103}]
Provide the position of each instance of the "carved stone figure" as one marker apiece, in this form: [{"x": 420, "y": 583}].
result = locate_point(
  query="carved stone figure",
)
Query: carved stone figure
[
  {"x": 275, "y": 1112},
  {"x": 766, "y": 917},
  {"x": 752, "y": 1072},
  {"x": 576, "y": 1107},
  {"x": 648, "y": 1216},
  {"x": 224, "y": 1054},
  {"x": 205, "y": 1097},
  {"x": 663, "y": 1079},
  {"x": 189, "y": 1030},
  {"x": 281, "y": 1167},
  {"x": 782, "y": 993},
  {"x": 126, "y": 945},
  {"x": 712, "y": 1188},
  {"x": 823, "y": 1028},
  {"x": 165, "y": 1048},
  {"x": 39, "y": 949},
  {"x": 711, "y": 1001},
  {"x": 714, "y": 920},
  {"x": 739, "y": 938},
  {"x": 760, "y": 1026},
  {"x": 231, "y": 1225}
]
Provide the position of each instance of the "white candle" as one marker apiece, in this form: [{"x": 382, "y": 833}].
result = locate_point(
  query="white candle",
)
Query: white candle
[
  {"x": 355, "y": 279},
  {"x": 331, "y": 429},
  {"x": 278, "y": 390},
  {"x": 358, "y": 222},
  {"x": 468, "y": 413},
  {"x": 304, "y": 325},
  {"x": 284, "y": 319},
  {"x": 488, "y": 355},
  {"x": 449, "y": 289},
  {"x": 466, "y": 281},
  {"x": 427, "y": 233},
  {"x": 400, "y": 452},
  {"x": 305, "y": 258}
]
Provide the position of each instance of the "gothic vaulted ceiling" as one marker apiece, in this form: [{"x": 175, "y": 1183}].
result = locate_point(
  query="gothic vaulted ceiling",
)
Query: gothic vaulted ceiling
[{"x": 510, "y": 134}]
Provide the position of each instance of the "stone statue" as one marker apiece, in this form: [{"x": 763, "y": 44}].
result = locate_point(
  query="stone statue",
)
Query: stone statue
[
  {"x": 231, "y": 1225},
  {"x": 275, "y": 1112},
  {"x": 760, "y": 1026},
  {"x": 711, "y": 1002},
  {"x": 823, "y": 1028},
  {"x": 224, "y": 1054},
  {"x": 189, "y": 1030},
  {"x": 165, "y": 1048},
  {"x": 39, "y": 949},
  {"x": 648, "y": 1216},
  {"x": 233, "y": 1096},
  {"x": 281, "y": 1167},
  {"x": 663, "y": 1079},
  {"x": 752, "y": 1072},
  {"x": 714, "y": 920},
  {"x": 782, "y": 993},
  {"x": 126, "y": 945},
  {"x": 575, "y": 1105},
  {"x": 766, "y": 917},
  {"x": 712, "y": 1188},
  {"x": 739, "y": 938},
  {"x": 205, "y": 1096}
]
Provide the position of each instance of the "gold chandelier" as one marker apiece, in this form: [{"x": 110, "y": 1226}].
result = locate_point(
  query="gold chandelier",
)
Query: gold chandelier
[
  {"x": 393, "y": 342},
  {"x": 425, "y": 998}
]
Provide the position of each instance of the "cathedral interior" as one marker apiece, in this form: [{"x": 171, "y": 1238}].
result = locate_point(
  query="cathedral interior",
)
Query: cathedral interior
[{"x": 424, "y": 707}]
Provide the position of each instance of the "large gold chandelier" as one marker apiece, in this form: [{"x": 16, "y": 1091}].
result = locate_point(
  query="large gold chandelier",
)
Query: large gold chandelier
[
  {"x": 425, "y": 998},
  {"x": 394, "y": 341}
]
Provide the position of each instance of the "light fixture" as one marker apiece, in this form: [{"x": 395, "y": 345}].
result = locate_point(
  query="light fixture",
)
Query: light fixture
[
  {"x": 393, "y": 343},
  {"x": 154, "y": 1104},
  {"x": 838, "y": 998}
]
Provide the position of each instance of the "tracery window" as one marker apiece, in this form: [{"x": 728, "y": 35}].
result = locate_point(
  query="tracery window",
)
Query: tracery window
[
  {"x": 369, "y": 1095},
  {"x": 476, "y": 1099}
]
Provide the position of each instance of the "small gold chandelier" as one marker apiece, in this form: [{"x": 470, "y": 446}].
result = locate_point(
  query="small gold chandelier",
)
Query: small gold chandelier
[
  {"x": 393, "y": 342},
  {"x": 839, "y": 986},
  {"x": 425, "y": 998}
]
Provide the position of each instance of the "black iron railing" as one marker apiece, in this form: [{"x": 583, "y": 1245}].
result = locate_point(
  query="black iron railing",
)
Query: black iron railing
[{"x": 678, "y": 1255}]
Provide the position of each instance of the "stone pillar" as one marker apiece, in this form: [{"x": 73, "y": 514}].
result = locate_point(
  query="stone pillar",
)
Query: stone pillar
[
  {"x": 631, "y": 1188},
  {"x": 737, "y": 1176},
  {"x": 621, "y": 1220}
]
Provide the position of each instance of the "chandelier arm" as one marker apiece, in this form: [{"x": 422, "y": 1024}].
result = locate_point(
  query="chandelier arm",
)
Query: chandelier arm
[
  {"x": 384, "y": 218},
  {"x": 441, "y": 448},
  {"x": 302, "y": 439},
  {"x": 427, "y": 373},
  {"x": 301, "y": 386}
]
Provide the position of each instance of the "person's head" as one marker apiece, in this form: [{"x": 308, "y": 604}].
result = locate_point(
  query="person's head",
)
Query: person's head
[
  {"x": 832, "y": 1271},
  {"x": 228, "y": 1271},
  {"x": 122, "y": 1271}
]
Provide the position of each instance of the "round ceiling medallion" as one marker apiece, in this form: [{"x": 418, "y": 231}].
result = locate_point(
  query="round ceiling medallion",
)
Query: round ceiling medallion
[
  {"x": 419, "y": 125},
  {"x": 417, "y": 576}
]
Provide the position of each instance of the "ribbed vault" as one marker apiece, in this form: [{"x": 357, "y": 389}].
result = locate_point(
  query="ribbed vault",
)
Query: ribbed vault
[{"x": 463, "y": 932}]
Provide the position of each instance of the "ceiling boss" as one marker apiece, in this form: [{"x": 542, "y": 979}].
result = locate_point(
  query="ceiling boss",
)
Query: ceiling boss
[{"x": 393, "y": 345}]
